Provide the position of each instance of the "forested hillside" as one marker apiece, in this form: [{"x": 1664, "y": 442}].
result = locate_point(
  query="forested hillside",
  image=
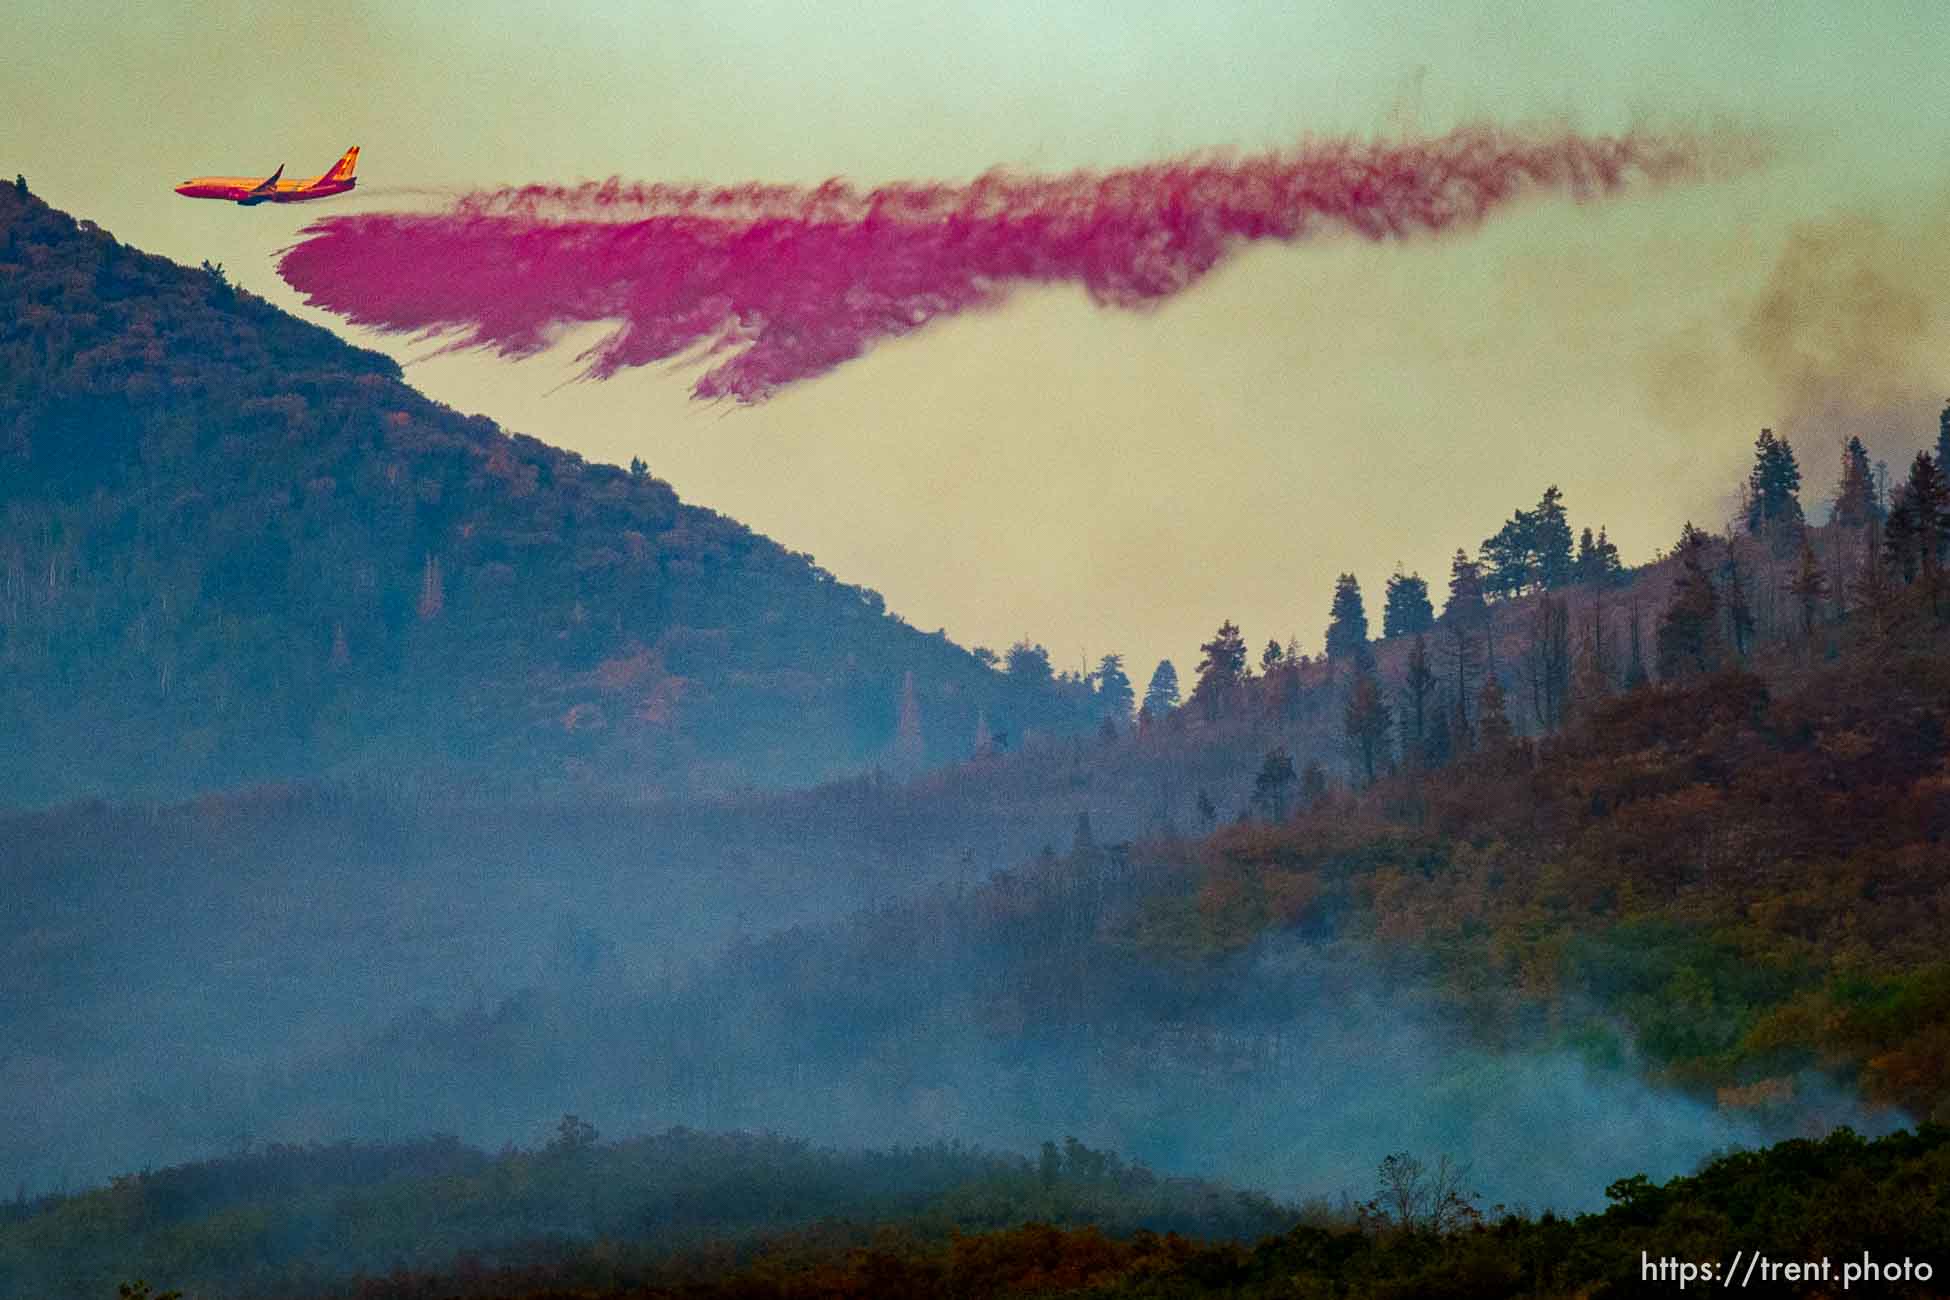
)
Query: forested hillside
[
  {"x": 1717, "y": 870},
  {"x": 234, "y": 549},
  {"x": 1692, "y": 815},
  {"x": 1715, "y": 902},
  {"x": 293, "y": 1220},
  {"x": 699, "y": 1215},
  {"x": 1840, "y": 1215}
]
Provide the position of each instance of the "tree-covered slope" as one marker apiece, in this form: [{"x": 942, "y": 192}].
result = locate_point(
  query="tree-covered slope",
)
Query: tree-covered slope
[
  {"x": 234, "y": 548},
  {"x": 302, "y": 1220},
  {"x": 696, "y": 1215}
]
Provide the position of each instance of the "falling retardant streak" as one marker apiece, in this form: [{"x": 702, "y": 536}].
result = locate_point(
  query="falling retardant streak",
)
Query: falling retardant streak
[{"x": 776, "y": 284}]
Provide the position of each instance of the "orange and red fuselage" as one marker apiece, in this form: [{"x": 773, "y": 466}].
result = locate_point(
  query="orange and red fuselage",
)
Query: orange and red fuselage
[
  {"x": 251, "y": 190},
  {"x": 241, "y": 189}
]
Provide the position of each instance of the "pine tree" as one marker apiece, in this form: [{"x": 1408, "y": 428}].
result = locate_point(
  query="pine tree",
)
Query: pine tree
[
  {"x": 1224, "y": 656},
  {"x": 1841, "y": 576},
  {"x": 1367, "y": 720},
  {"x": 1551, "y": 537},
  {"x": 1221, "y": 671},
  {"x": 1275, "y": 777},
  {"x": 221, "y": 290},
  {"x": 1774, "y": 492},
  {"x": 1114, "y": 694},
  {"x": 1509, "y": 557},
  {"x": 1283, "y": 690},
  {"x": 1408, "y": 611},
  {"x": 1347, "y": 624},
  {"x": 1597, "y": 564},
  {"x": 1161, "y": 696},
  {"x": 1030, "y": 663},
  {"x": 1270, "y": 657},
  {"x": 1874, "y": 583},
  {"x": 1689, "y": 630},
  {"x": 1929, "y": 495},
  {"x": 1611, "y": 571},
  {"x": 1418, "y": 688},
  {"x": 1855, "y": 493},
  {"x": 1464, "y": 616},
  {"x": 1465, "y": 589},
  {"x": 1740, "y": 612},
  {"x": 1548, "y": 662},
  {"x": 1437, "y": 744},
  {"x": 1919, "y": 526},
  {"x": 1635, "y": 672},
  {"x": 1591, "y": 675},
  {"x": 1899, "y": 538},
  {"x": 1808, "y": 587},
  {"x": 1942, "y": 437}
]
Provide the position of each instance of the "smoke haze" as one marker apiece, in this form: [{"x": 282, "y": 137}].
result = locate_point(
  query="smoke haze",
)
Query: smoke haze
[
  {"x": 1847, "y": 327},
  {"x": 364, "y": 969}
]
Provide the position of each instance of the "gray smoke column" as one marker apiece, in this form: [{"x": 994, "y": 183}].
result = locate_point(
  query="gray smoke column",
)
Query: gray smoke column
[{"x": 775, "y": 284}]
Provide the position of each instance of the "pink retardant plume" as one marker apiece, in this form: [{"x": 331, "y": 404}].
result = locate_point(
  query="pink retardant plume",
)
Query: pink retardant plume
[{"x": 777, "y": 284}]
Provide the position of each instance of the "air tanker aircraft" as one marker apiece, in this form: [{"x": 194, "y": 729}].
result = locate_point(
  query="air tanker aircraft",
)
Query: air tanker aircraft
[{"x": 249, "y": 190}]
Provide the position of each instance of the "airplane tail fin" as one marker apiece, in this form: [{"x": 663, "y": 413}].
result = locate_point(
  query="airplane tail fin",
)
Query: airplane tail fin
[{"x": 342, "y": 169}]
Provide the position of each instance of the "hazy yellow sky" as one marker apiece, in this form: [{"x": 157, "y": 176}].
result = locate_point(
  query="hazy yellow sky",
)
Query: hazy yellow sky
[{"x": 1101, "y": 480}]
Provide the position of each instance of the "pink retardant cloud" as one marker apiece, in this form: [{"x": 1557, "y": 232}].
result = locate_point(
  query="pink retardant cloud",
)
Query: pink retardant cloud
[{"x": 777, "y": 284}]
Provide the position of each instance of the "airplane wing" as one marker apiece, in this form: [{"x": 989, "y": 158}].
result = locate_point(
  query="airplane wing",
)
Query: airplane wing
[{"x": 269, "y": 183}]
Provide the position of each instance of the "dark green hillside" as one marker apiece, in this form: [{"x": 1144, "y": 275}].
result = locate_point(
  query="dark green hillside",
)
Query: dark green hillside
[
  {"x": 299, "y": 1220},
  {"x": 698, "y": 1215},
  {"x": 233, "y": 548},
  {"x": 1839, "y": 1216}
]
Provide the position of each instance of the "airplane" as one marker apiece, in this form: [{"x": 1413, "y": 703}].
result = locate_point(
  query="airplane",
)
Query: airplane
[{"x": 246, "y": 191}]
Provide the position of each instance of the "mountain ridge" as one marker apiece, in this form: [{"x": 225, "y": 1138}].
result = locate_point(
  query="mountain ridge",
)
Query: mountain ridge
[{"x": 238, "y": 549}]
